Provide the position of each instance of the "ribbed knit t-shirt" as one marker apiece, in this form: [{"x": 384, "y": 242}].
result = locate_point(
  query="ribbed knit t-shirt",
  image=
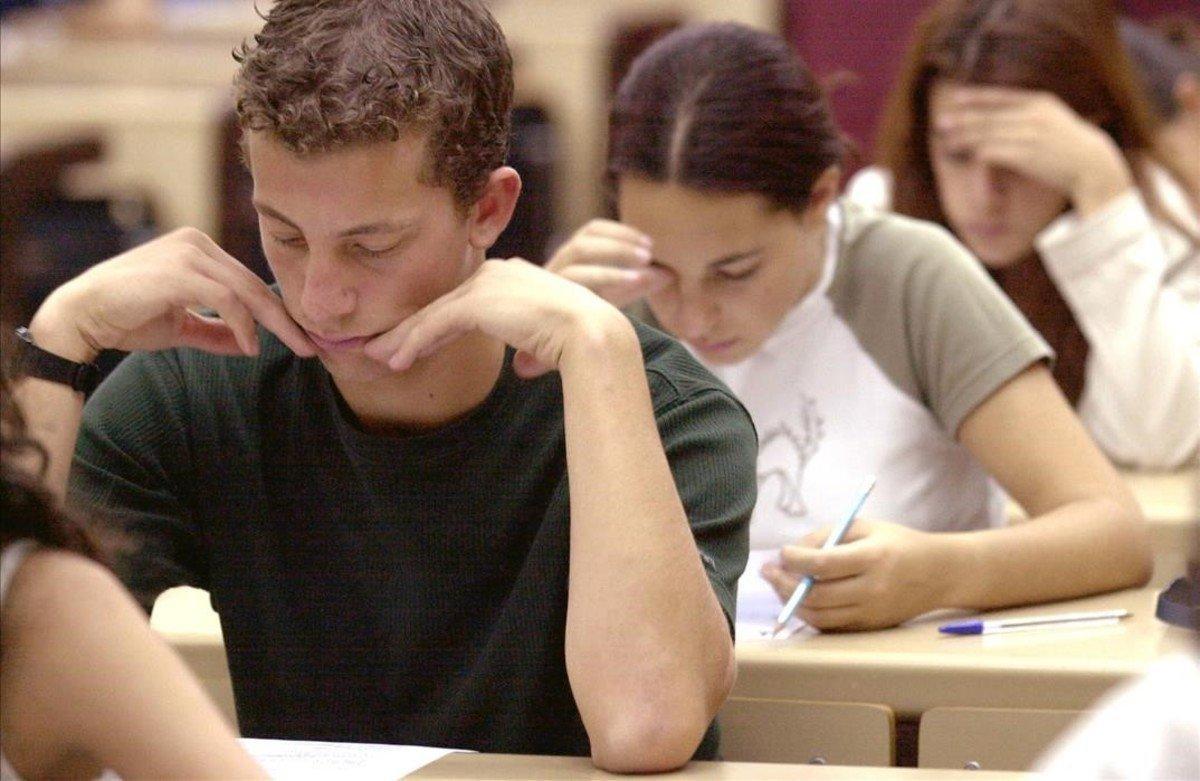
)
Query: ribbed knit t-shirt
[{"x": 389, "y": 589}]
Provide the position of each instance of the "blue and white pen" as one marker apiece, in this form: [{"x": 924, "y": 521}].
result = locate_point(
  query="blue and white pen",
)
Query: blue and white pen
[
  {"x": 834, "y": 538},
  {"x": 1061, "y": 620}
]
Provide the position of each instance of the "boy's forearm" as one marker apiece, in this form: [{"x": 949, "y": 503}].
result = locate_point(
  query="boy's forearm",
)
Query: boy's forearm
[{"x": 648, "y": 647}]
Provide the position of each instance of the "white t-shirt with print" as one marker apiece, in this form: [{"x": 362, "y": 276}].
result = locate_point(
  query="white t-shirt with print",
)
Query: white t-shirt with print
[{"x": 828, "y": 414}]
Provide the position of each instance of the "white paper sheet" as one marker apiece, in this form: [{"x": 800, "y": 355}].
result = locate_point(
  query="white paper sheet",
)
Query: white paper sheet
[
  {"x": 758, "y": 605},
  {"x": 303, "y": 759}
]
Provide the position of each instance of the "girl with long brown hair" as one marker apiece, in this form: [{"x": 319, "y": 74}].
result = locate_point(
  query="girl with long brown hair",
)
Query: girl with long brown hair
[
  {"x": 85, "y": 683},
  {"x": 860, "y": 342},
  {"x": 1021, "y": 127}
]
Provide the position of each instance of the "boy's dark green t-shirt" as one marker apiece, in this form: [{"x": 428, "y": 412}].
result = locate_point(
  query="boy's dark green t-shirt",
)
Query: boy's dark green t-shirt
[{"x": 390, "y": 589}]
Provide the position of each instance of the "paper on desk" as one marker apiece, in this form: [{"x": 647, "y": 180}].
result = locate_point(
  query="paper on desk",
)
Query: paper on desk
[
  {"x": 307, "y": 759},
  {"x": 758, "y": 605}
]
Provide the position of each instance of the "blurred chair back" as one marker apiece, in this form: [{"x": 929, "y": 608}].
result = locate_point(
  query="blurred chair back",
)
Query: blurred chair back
[
  {"x": 534, "y": 153},
  {"x": 48, "y": 237}
]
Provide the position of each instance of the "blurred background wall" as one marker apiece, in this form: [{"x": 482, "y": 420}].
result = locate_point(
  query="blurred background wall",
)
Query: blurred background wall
[{"x": 116, "y": 123}]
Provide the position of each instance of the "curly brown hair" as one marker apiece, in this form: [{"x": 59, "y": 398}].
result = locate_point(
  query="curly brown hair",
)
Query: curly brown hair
[{"x": 321, "y": 75}]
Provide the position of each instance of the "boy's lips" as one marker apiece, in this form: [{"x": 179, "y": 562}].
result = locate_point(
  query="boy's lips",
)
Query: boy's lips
[{"x": 337, "y": 343}]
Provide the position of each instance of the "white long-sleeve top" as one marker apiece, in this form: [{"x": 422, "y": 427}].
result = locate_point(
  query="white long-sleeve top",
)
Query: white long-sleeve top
[{"x": 1133, "y": 285}]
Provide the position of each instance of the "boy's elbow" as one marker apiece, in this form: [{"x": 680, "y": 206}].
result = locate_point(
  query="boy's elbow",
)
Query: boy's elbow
[
  {"x": 651, "y": 740},
  {"x": 661, "y": 730}
]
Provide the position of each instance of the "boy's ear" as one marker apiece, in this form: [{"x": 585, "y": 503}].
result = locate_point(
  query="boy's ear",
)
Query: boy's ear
[{"x": 490, "y": 214}]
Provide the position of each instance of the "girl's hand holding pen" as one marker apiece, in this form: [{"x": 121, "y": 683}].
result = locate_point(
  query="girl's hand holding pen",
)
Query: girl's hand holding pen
[{"x": 881, "y": 575}]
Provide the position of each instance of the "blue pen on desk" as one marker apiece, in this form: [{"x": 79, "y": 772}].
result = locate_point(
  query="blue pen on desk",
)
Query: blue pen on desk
[
  {"x": 1061, "y": 620},
  {"x": 834, "y": 538}
]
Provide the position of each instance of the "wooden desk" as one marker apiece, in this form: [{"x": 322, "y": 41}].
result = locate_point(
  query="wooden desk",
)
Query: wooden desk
[
  {"x": 1171, "y": 502},
  {"x": 1032, "y": 682},
  {"x": 505, "y": 767},
  {"x": 912, "y": 668}
]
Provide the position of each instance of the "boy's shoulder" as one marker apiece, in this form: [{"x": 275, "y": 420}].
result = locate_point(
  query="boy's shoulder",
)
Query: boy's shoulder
[{"x": 675, "y": 375}]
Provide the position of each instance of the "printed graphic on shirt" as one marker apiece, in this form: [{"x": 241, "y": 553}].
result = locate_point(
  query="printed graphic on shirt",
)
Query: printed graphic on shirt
[
  {"x": 828, "y": 416},
  {"x": 784, "y": 452}
]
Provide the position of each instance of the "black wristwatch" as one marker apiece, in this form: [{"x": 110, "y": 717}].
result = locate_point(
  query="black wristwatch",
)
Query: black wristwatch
[{"x": 33, "y": 361}]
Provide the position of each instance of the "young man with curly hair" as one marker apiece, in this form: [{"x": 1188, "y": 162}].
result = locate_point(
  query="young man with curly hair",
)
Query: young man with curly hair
[{"x": 436, "y": 499}]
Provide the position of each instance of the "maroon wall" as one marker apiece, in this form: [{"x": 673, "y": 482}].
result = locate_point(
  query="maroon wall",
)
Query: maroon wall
[
  {"x": 867, "y": 39},
  {"x": 1147, "y": 10}
]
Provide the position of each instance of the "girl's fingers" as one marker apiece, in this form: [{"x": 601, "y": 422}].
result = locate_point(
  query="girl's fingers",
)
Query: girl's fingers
[
  {"x": 599, "y": 250},
  {"x": 1004, "y": 154},
  {"x": 595, "y": 277},
  {"x": 842, "y": 561},
  {"x": 824, "y": 597},
  {"x": 831, "y": 619},
  {"x": 986, "y": 122},
  {"x": 990, "y": 96},
  {"x": 860, "y": 527},
  {"x": 846, "y": 592},
  {"x": 618, "y": 286},
  {"x": 782, "y": 582},
  {"x": 617, "y": 230},
  {"x": 1013, "y": 149}
]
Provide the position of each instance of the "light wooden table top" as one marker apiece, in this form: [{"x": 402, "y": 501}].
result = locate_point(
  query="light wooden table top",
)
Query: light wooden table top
[
  {"x": 909, "y": 669},
  {"x": 514, "y": 767},
  {"x": 913, "y": 667},
  {"x": 1167, "y": 496},
  {"x": 1171, "y": 504}
]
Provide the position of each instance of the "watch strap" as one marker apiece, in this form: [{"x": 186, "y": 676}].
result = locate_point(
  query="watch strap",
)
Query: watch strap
[{"x": 33, "y": 361}]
